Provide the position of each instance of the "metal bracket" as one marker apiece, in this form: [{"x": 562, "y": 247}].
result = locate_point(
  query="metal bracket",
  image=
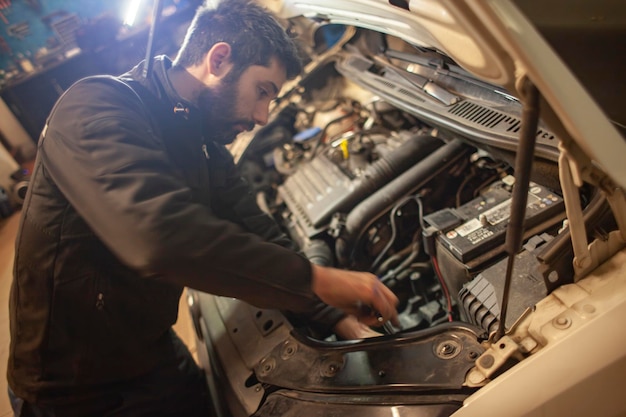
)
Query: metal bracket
[
  {"x": 574, "y": 168},
  {"x": 492, "y": 360},
  {"x": 437, "y": 358}
]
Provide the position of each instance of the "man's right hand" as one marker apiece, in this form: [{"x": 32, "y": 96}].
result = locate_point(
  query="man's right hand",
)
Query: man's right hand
[{"x": 357, "y": 293}]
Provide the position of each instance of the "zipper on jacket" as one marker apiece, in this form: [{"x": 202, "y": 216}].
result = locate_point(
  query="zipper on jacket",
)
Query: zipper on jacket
[{"x": 182, "y": 110}]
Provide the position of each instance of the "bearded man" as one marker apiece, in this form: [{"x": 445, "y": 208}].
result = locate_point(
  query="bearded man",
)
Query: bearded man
[{"x": 134, "y": 197}]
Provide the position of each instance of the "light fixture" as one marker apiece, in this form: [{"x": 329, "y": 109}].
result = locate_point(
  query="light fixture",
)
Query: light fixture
[{"x": 131, "y": 12}]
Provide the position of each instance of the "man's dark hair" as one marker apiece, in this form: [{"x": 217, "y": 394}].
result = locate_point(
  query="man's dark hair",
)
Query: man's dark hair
[{"x": 253, "y": 33}]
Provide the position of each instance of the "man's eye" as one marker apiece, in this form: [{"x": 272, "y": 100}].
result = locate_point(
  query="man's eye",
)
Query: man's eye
[{"x": 263, "y": 93}]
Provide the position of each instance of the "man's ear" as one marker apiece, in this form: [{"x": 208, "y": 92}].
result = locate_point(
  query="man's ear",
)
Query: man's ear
[{"x": 218, "y": 59}]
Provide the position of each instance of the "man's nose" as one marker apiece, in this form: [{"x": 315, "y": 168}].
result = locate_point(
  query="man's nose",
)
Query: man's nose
[{"x": 261, "y": 114}]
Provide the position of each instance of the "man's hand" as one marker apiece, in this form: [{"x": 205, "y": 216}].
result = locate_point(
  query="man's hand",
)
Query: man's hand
[
  {"x": 357, "y": 293},
  {"x": 349, "y": 328}
]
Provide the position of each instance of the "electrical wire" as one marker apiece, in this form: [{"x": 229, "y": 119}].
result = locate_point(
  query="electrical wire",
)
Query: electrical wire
[
  {"x": 415, "y": 248},
  {"x": 392, "y": 221},
  {"x": 392, "y": 260},
  {"x": 465, "y": 181},
  {"x": 485, "y": 183},
  {"x": 322, "y": 134},
  {"x": 435, "y": 263},
  {"x": 444, "y": 287},
  {"x": 420, "y": 210},
  {"x": 414, "y": 251}
]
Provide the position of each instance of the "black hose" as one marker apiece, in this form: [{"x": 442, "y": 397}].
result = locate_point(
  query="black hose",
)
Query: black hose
[
  {"x": 389, "y": 166},
  {"x": 370, "y": 209},
  {"x": 379, "y": 173},
  {"x": 320, "y": 138}
]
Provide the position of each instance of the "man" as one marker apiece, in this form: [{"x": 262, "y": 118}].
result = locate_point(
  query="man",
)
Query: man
[{"x": 133, "y": 197}]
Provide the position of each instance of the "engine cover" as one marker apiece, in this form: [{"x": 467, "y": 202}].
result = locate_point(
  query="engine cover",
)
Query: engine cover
[{"x": 320, "y": 188}]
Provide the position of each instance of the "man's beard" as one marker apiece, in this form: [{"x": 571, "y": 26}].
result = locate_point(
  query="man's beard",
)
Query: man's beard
[{"x": 219, "y": 105}]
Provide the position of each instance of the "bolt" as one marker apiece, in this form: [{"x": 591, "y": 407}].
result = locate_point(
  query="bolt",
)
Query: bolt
[
  {"x": 330, "y": 370},
  {"x": 381, "y": 374},
  {"x": 562, "y": 322},
  {"x": 267, "y": 366},
  {"x": 289, "y": 349},
  {"x": 447, "y": 349}
]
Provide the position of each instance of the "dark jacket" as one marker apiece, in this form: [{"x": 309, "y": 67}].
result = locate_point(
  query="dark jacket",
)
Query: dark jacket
[{"x": 128, "y": 203}]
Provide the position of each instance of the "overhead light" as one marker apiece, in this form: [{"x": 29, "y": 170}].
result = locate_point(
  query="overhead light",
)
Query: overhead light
[{"x": 131, "y": 12}]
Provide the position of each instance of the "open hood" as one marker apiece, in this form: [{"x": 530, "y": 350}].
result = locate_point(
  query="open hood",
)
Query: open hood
[{"x": 496, "y": 42}]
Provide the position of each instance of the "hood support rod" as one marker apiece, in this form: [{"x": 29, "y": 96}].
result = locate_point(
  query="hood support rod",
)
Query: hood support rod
[
  {"x": 156, "y": 14},
  {"x": 523, "y": 165}
]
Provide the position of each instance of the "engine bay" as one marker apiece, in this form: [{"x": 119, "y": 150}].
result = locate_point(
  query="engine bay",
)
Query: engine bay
[
  {"x": 359, "y": 181},
  {"x": 400, "y": 163}
]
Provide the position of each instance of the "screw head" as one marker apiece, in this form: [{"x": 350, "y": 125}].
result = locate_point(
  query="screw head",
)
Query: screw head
[
  {"x": 448, "y": 349},
  {"x": 288, "y": 350},
  {"x": 562, "y": 322},
  {"x": 330, "y": 366},
  {"x": 267, "y": 366}
]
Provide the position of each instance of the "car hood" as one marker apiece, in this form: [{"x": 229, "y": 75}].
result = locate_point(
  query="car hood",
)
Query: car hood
[{"x": 496, "y": 42}]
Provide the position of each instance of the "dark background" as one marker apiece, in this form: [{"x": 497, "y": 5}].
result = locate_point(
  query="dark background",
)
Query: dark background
[{"x": 88, "y": 38}]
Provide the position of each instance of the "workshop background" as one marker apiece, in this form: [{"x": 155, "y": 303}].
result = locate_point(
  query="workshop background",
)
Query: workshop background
[{"x": 45, "y": 46}]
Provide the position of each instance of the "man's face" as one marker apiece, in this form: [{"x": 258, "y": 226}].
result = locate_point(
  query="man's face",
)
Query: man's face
[{"x": 238, "y": 103}]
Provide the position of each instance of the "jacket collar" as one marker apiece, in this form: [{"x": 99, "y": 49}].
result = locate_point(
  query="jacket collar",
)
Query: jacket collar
[{"x": 160, "y": 85}]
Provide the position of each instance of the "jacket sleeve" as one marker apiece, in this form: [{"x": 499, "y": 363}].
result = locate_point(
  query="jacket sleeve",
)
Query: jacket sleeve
[
  {"x": 237, "y": 202},
  {"x": 101, "y": 151}
]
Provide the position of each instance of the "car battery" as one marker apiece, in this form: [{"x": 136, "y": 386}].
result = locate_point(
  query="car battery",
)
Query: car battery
[
  {"x": 480, "y": 224},
  {"x": 471, "y": 237}
]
